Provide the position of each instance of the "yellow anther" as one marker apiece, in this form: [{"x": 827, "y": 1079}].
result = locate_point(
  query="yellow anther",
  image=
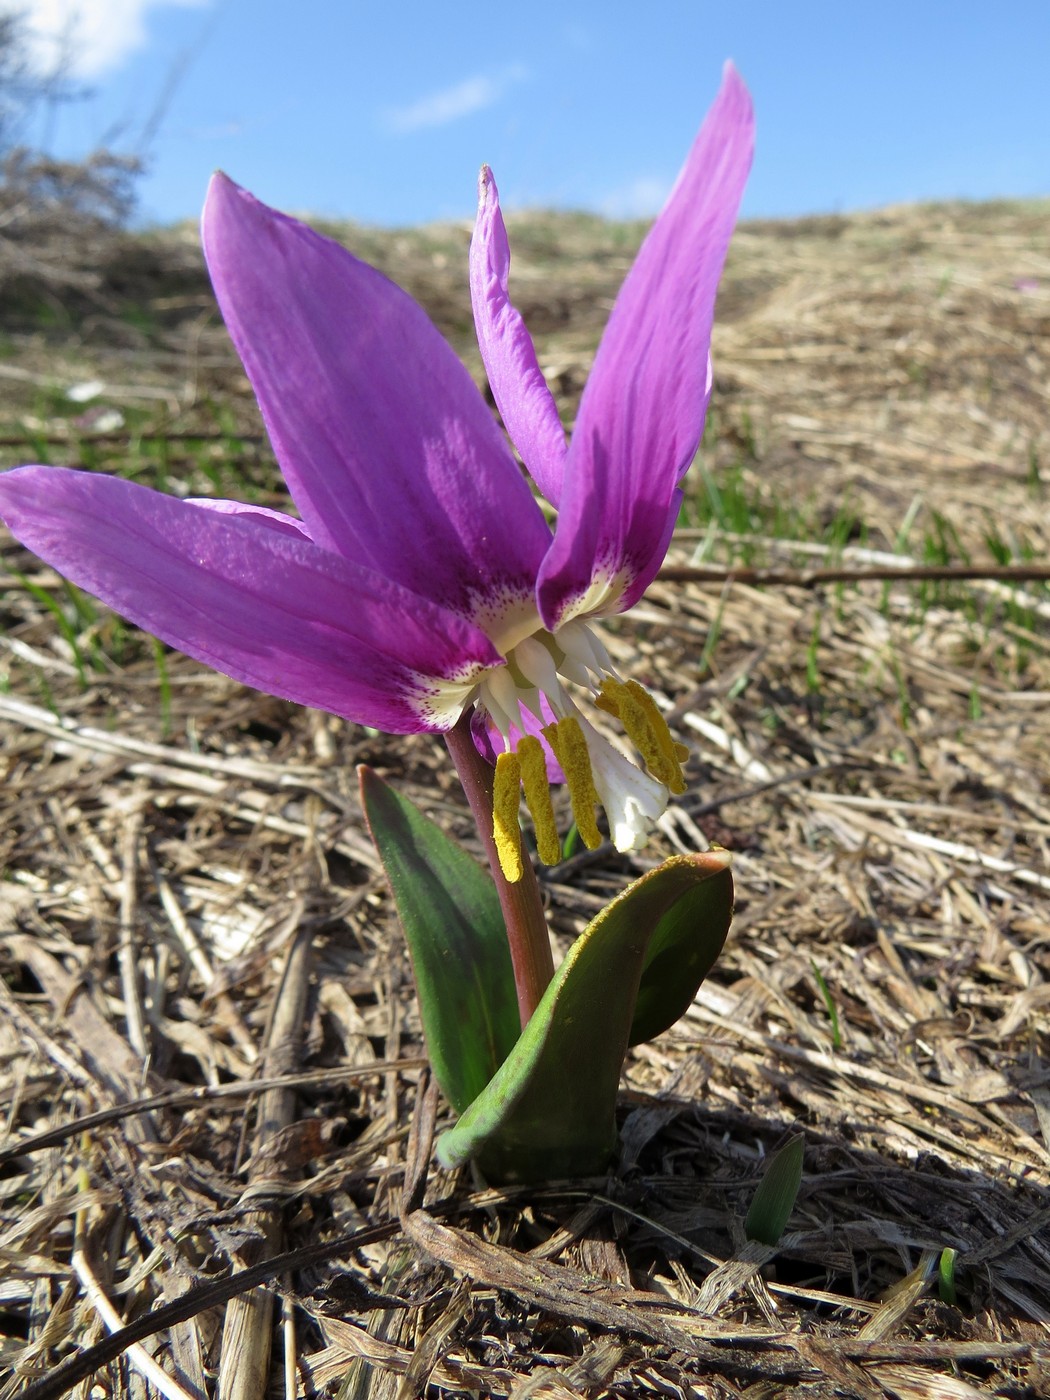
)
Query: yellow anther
[
  {"x": 670, "y": 769},
  {"x": 506, "y": 791},
  {"x": 533, "y": 763},
  {"x": 605, "y": 699},
  {"x": 570, "y": 749},
  {"x": 646, "y": 728}
]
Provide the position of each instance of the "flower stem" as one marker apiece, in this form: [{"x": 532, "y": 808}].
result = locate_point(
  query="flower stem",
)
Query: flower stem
[{"x": 530, "y": 945}]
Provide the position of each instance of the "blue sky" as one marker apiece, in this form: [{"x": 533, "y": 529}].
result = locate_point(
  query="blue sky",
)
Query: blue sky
[{"x": 384, "y": 112}]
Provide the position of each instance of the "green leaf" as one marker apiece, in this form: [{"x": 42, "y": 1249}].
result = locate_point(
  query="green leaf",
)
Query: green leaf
[
  {"x": 775, "y": 1198},
  {"x": 684, "y": 948},
  {"x": 550, "y": 1110},
  {"x": 456, "y": 938}
]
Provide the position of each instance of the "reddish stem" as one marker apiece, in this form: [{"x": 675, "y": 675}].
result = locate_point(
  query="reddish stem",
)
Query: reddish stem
[{"x": 530, "y": 945}]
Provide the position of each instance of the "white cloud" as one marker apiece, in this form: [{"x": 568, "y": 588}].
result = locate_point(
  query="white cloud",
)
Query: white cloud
[
  {"x": 85, "y": 38},
  {"x": 641, "y": 199},
  {"x": 451, "y": 103}
]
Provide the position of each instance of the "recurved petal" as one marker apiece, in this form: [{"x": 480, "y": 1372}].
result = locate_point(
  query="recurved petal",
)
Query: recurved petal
[
  {"x": 258, "y": 602},
  {"x": 642, "y": 411},
  {"x": 525, "y": 402},
  {"x": 389, "y": 451},
  {"x": 261, "y": 515}
]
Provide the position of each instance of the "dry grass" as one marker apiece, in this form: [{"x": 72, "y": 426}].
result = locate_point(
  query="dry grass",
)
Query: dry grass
[{"x": 209, "y": 1047}]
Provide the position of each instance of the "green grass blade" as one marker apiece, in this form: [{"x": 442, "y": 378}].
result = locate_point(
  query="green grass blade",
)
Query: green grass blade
[{"x": 829, "y": 1006}]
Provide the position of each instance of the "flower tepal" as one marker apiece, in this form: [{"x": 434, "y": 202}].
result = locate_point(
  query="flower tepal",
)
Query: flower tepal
[
  {"x": 616, "y": 485},
  {"x": 420, "y": 578}
]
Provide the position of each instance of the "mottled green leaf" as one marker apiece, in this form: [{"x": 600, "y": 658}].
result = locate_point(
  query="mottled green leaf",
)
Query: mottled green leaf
[
  {"x": 684, "y": 948},
  {"x": 456, "y": 938},
  {"x": 549, "y": 1112}
]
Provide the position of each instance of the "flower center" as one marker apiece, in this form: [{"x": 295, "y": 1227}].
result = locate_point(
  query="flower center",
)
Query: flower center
[{"x": 540, "y": 725}]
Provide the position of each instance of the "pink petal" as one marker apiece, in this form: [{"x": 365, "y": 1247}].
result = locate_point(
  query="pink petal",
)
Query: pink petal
[
  {"x": 489, "y": 741},
  {"x": 526, "y": 404},
  {"x": 642, "y": 412},
  {"x": 258, "y": 602},
  {"x": 389, "y": 451},
  {"x": 262, "y": 515}
]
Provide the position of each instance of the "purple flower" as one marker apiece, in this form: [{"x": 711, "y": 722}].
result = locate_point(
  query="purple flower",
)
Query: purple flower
[{"x": 422, "y": 577}]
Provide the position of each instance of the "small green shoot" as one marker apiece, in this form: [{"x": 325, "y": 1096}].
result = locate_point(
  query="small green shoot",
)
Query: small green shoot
[
  {"x": 941, "y": 543},
  {"x": 777, "y": 1191},
  {"x": 845, "y": 525},
  {"x": 748, "y": 440},
  {"x": 86, "y": 454},
  {"x": 572, "y": 840},
  {"x": 946, "y": 1279},
  {"x": 737, "y": 688},
  {"x": 46, "y": 694},
  {"x": 39, "y": 447},
  {"x": 162, "y": 466},
  {"x": 715, "y": 505},
  {"x": 711, "y": 640},
  {"x": 829, "y": 1006},
  {"x": 900, "y": 544},
  {"x": 999, "y": 548},
  {"x": 83, "y": 606},
  {"x": 65, "y": 627}
]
